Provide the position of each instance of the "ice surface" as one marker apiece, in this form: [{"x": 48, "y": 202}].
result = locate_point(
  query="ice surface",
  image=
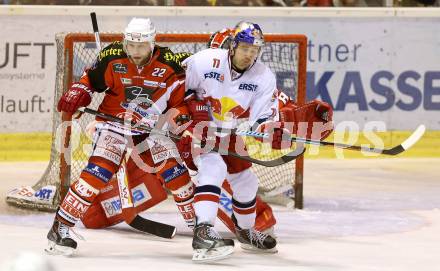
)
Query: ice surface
[{"x": 376, "y": 214}]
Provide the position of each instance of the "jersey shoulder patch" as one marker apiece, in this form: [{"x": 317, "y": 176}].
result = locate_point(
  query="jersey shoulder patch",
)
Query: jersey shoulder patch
[
  {"x": 171, "y": 59},
  {"x": 111, "y": 52},
  {"x": 210, "y": 58},
  {"x": 96, "y": 73}
]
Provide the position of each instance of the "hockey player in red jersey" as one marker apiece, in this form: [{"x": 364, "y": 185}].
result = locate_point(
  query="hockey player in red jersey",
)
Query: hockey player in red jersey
[
  {"x": 140, "y": 84},
  {"x": 99, "y": 217}
]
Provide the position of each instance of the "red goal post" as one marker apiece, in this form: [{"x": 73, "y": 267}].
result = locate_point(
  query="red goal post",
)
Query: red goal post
[{"x": 285, "y": 54}]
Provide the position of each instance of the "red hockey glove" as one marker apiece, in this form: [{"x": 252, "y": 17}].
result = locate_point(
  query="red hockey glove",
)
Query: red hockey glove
[
  {"x": 279, "y": 134},
  {"x": 199, "y": 111},
  {"x": 323, "y": 110},
  {"x": 194, "y": 141},
  {"x": 77, "y": 96},
  {"x": 311, "y": 120},
  {"x": 184, "y": 146}
]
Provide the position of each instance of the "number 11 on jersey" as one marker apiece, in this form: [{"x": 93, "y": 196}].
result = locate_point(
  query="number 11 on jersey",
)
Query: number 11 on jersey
[{"x": 216, "y": 63}]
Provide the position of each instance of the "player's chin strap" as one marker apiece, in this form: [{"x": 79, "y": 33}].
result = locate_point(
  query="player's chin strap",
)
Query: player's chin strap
[{"x": 292, "y": 155}]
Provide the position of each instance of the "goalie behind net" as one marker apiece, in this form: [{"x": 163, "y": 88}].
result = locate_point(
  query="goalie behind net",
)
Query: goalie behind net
[{"x": 285, "y": 55}]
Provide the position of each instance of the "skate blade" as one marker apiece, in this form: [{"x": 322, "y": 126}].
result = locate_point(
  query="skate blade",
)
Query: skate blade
[
  {"x": 215, "y": 254},
  {"x": 252, "y": 249},
  {"x": 54, "y": 249}
]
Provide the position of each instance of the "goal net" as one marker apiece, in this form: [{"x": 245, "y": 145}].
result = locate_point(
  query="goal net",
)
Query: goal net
[{"x": 284, "y": 54}]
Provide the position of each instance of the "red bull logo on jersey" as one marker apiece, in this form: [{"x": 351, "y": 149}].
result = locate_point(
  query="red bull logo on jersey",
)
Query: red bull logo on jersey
[{"x": 225, "y": 109}]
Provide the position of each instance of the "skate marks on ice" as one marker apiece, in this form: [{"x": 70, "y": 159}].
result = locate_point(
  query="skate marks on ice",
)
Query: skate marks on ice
[
  {"x": 359, "y": 215},
  {"x": 121, "y": 247},
  {"x": 291, "y": 226}
]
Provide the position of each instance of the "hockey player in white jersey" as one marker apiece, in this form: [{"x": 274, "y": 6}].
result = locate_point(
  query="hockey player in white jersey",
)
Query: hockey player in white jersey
[{"x": 229, "y": 82}]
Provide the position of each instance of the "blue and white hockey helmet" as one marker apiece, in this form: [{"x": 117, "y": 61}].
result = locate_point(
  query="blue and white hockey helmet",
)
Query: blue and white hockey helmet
[{"x": 249, "y": 33}]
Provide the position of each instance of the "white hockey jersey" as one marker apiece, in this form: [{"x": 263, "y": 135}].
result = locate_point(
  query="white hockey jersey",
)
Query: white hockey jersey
[{"x": 208, "y": 73}]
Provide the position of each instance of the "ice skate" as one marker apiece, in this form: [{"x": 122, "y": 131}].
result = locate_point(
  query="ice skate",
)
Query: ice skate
[
  {"x": 60, "y": 242},
  {"x": 209, "y": 246},
  {"x": 253, "y": 240}
]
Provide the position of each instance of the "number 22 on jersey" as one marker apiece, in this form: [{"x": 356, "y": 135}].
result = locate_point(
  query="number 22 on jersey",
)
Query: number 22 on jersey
[{"x": 158, "y": 72}]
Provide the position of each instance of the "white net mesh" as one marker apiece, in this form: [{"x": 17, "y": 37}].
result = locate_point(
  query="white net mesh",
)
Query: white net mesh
[{"x": 282, "y": 57}]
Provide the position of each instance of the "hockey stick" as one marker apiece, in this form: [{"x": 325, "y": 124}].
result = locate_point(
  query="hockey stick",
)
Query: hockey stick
[
  {"x": 270, "y": 163},
  {"x": 95, "y": 30},
  {"x": 136, "y": 221},
  {"x": 405, "y": 145}
]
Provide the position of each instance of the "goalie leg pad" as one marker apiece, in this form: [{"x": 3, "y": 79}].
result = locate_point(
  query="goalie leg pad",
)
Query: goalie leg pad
[
  {"x": 146, "y": 189},
  {"x": 225, "y": 207},
  {"x": 105, "y": 211},
  {"x": 265, "y": 219}
]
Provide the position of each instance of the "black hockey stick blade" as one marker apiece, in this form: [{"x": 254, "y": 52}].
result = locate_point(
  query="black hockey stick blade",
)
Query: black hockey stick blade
[
  {"x": 153, "y": 227},
  {"x": 408, "y": 143},
  {"x": 283, "y": 159},
  {"x": 270, "y": 163}
]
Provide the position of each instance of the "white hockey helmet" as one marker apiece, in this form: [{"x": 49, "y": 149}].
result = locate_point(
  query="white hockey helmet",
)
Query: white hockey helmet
[{"x": 140, "y": 30}]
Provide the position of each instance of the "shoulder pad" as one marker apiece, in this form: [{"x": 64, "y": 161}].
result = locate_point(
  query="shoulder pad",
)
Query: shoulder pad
[
  {"x": 97, "y": 72},
  {"x": 113, "y": 51},
  {"x": 172, "y": 59}
]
